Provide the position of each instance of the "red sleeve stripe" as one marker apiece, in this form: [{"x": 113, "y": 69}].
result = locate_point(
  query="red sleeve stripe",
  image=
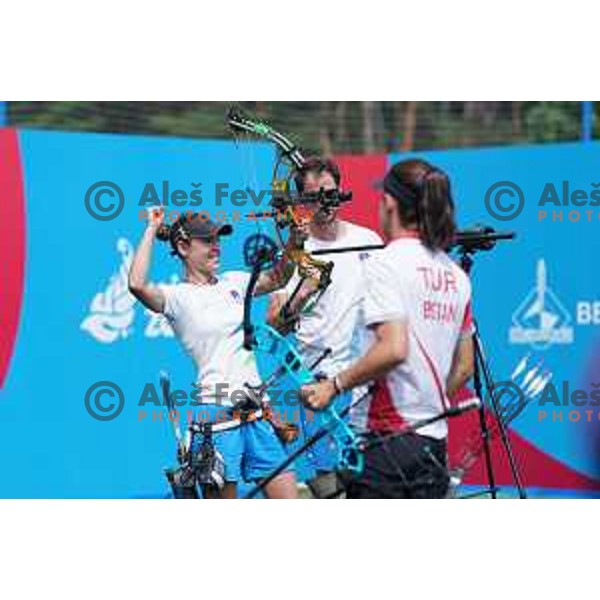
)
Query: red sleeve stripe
[
  {"x": 467, "y": 324},
  {"x": 436, "y": 378}
]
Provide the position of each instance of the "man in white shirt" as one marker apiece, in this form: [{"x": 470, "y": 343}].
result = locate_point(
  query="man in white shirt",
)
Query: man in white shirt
[
  {"x": 418, "y": 307},
  {"x": 336, "y": 321}
]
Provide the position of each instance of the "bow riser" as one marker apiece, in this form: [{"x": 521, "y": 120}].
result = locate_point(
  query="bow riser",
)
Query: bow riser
[{"x": 263, "y": 338}]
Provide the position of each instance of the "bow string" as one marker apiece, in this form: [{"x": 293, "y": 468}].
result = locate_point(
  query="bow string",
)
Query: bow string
[
  {"x": 288, "y": 210},
  {"x": 260, "y": 254}
]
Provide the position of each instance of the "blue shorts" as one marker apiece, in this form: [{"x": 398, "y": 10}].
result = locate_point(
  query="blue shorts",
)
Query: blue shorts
[
  {"x": 250, "y": 452},
  {"x": 322, "y": 457}
]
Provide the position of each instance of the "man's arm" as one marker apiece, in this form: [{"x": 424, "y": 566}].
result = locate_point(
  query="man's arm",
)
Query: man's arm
[{"x": 463, "y": 365}]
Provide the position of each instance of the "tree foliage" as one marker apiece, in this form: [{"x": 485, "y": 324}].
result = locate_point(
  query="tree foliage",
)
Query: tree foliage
[{"x": 328, "y": 127}]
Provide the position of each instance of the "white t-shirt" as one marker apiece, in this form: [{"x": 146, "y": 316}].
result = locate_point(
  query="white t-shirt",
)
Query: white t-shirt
[
  {"x": 432, "y": 294},
  {"x": 207, "y": 319},
  {"x": 336, "y": 320}
]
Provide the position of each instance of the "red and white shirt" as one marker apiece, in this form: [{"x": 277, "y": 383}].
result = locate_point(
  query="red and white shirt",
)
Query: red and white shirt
[{"x": 431, "y": 293}]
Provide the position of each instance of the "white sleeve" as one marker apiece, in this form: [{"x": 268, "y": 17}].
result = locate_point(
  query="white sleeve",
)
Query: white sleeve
[
  {"x": 239, "y": 280},
  {"x": 371, "y": 238},
  {"x": 171, "y": 308},
  {"x": 374, "y": 238},
  {"x": 383, "y": 299}
]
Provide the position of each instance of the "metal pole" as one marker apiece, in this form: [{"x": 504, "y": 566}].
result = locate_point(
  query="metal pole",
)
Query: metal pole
[{"x": 587, "y": 121}]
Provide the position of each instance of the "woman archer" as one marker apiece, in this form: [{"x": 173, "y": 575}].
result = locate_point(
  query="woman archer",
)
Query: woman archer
[
  {"x": 418, "y": 307},
  {"x": 206, "y": 312}
]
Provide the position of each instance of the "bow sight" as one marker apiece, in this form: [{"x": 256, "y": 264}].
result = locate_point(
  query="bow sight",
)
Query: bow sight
[
  {"x": 480, "y": 238},
  {"x": 325, "y": 198}
]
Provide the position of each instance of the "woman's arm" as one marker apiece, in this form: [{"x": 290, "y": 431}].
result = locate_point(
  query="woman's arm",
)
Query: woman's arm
[
  {"x": 281, "y": 273},
  {"x": 463, "y": 366},
  {"x": 276, "y": 278},
  {"x": 150, "y": 296},
  {"x": 281, "y": 313},
  {"x": 388, "y": 351},
  {"x": 276, "y": 303}
]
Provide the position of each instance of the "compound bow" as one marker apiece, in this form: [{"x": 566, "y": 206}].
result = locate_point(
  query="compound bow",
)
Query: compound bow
[
  {"x": 288, "y": 211},
  {"x": 261, "y": 253}
]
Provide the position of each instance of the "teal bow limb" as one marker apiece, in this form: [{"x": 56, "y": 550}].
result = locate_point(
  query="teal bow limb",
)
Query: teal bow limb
[
  {"x": 270, "y": 341},
  {"x": 350, "y": 456}
]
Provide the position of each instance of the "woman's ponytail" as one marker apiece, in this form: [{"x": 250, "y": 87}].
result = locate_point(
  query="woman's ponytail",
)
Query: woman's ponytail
[
  {"x": 435, "y": 210},
  {"x": 424, "y": 201}
]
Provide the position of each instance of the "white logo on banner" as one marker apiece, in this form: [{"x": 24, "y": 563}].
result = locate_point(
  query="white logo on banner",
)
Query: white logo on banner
[
  {"x": 542, "y": 319},
  {"x": 112, "y": 311}
]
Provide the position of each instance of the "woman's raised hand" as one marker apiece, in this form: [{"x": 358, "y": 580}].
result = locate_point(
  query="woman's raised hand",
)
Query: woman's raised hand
[{"x": 156, "y": 217}]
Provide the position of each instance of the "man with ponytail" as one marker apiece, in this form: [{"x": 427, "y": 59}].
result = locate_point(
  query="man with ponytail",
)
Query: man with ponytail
[{"x": 418, "y": 309}]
